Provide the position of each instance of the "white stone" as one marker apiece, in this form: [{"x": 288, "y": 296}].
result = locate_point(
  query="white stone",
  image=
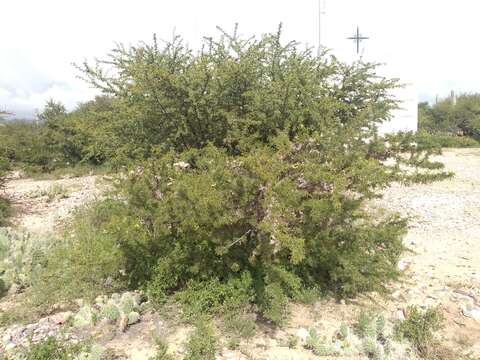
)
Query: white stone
[
  {"x": 471, "y": 311},
  {"x": 302, "y": 334}
]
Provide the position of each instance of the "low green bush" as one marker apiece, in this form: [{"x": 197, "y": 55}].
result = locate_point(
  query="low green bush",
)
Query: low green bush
[
  {"x": 161, "y": 351},
  {"x": 202, "y": 343},
  {"x": 85, "y": 262},
  {"x": 52, "y": 348},
  {"x": 213, "y": 297},
  {"x": 419, "y": 329},
  {"x": 5, "y": 210},
  {"x": 454, "y": 116},
  {"x": 447, "y": 140}
]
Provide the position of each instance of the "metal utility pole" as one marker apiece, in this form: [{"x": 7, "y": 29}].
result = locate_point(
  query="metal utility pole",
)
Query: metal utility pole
[{"x": 321, "y": 11}]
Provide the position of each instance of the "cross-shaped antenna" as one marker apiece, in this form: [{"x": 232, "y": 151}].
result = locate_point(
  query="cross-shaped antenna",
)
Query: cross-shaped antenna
[{"x": 358, "y": 39}]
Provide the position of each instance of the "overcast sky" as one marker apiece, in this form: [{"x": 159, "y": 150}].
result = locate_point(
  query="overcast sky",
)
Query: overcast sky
[{"x": 430, "y": 43}]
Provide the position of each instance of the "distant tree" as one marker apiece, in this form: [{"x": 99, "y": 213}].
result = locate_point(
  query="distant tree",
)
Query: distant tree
[
  {"x": 53, "y": 112},
  {"x": 425, "y": 116},
  {"x": 461, "y": 117}
]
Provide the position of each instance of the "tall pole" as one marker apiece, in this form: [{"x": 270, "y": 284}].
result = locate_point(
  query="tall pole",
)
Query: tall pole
[{"x": 320, "y": 13}]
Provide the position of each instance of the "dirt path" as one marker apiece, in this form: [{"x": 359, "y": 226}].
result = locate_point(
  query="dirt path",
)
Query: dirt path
[
  {"x": 42, "y": 206},
  {"x": 444, "y": 234},
  {"x": 444, "y": 229}
]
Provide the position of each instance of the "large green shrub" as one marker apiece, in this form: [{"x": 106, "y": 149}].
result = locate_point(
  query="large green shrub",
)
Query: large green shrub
[
  {"x": 278, "y": 213},
  {"x": 261, "y": 159}
]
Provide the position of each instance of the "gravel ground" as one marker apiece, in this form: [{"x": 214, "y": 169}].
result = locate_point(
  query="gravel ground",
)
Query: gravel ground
[
  {"x": 43, "y": 206},
  {"x": 444, "y": 235},
  {"x": 445, "y": 220}
]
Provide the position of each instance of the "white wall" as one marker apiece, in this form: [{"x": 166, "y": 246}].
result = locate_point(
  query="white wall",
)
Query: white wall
[{"x": 406, "y": 117}]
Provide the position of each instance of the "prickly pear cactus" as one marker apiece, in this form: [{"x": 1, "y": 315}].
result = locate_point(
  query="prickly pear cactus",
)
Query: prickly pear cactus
[
  {"x": 20, "y": 257},
  {"x": 133, "y": 317},
  {"x": 84, "y": 317},
  {"x": 110, "y": 311},
  {"x": 114, "y": 309}
]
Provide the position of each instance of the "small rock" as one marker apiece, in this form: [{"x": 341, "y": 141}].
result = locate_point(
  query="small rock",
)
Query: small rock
[
  {"x": 62, "y": 318},
  {"x": 6, "y": 338},
  {"x": 123, "y": 322},
  {"x": 181, "y": 165},
  {"x": 260, "y": 343},
  {"x": 402, "y": 265},
  {"x": 471, "y": 311},
  {"x": 302, "y": 334},
  {"x": 400, "y": 315},
  {"x": 10, "y": 346}
]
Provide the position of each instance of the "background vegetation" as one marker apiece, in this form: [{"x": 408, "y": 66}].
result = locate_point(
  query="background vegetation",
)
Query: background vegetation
[{"x": 452, "y": 123}]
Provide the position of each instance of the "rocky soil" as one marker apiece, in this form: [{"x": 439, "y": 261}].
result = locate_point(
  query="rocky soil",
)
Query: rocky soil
[
  {"x": 43, "y": 206},
  {"x": 444, "y": 237},
  {"x": 442, "y": 269}
]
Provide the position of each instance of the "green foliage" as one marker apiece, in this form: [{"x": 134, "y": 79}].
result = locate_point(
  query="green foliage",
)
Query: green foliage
[
  {"x": 5, "y": 211},
  {"x": 240, "y": 324},
  {"x": 83, "y": 264},
  {"x": 213, "y": 297},
  {"x": 459, "y": 118},
  {"x": 233, "y": 93},
  {"x": 57, "y": 139},
  {"x": 21, "y": 258},
  {"x": 292, "y": 341},
  {"x": 370, "y": 325},
  {"x": 448, "y": 140},
  {"x": 202, "y": 343},
  {"x": 51, "y": 348},
  {"x": 224, "y": 217},
  {"x": 161, "y": 351},
  {"x": 254, "y": 161},
  {"x": 111, "y": 312},
  {"x": 419, "y": 329},
  {"x": 320, "y": 345}
]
